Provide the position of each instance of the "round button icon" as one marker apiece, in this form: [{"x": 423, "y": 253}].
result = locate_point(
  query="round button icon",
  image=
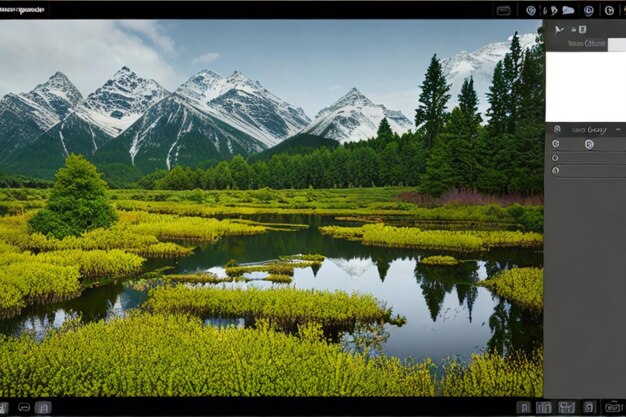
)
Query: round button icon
[
  {"x": 588, "y": 11},
  {"x": 531, "y": 10},
  {"x": 555, "y": 170},
  {"x": 556, "y": 143},
  {"x": 555, "y": 157},
  {"x": 609, "y": 11},
  {"x": 589, "y": 144}
]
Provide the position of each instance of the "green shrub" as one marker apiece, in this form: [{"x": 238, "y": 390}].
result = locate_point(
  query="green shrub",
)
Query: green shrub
[
  {"x": 285, "y": 307},
  {"x": 77, "y": 203},
  {"x": 440, "y": 260},
  {"x": 167, "y": 356},
  {"x": 522, "y": 286}
]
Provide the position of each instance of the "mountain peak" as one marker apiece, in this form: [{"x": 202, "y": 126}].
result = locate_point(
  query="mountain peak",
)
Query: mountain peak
[
  {"x": 355, "y": 117},
  {"x": 58, "y": 76},
  {"x": 209, "y": 73},
  {"x": 354, "y": 97},
  {"x": 124, "y": 72},
  {"x": 239, "y": 76},
  {"x": 57, "y": 95},
  {"x": 479, "y": 64},
  {"x": 120, "y": 101}
]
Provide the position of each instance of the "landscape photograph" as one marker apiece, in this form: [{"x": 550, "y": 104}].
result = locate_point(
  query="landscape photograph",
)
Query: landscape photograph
[{"x": 271, "y": 208}]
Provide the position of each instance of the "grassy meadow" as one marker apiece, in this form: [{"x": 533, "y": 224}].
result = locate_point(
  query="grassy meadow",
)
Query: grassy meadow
[{"x": 286, "y": 351}]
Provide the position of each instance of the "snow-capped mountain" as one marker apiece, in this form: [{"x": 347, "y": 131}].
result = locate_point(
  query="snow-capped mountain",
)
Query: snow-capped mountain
[
  {"x": 120, "y": 101},
  {"x": 354, "y": 117},
  {"x": 57, "y": 94},
  {"x": 174, "y": 132},
  {"x": 480, "y": 65},
  {"x": 245, "y": 105},
  {"x": 354, "y": 267},
  {"x": 23, "y": 117}
]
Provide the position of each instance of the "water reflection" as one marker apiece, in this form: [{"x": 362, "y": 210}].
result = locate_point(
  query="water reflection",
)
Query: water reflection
[
  {"x": 507, "y": 324},
  {"x": 437, "y": 281},
  {"x": 447, "y": 314}
]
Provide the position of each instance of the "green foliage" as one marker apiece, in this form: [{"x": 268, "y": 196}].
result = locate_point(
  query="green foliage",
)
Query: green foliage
[
  {"x": 438, "y": 177},
  {"x": 354, "y": 203},
  {"x": 450, "y": 240},
  {"x": 440, "y": 260},
  {"x": 201, "y": 278},
  {"x": 384, "y": 130},
  {"x": 529, "y": 217},
  {"x": 136, "y": 357},
  {"x": 283, "y": 307},
  {"x": 77, "y": 203},
  {"x": 17, "y": 181},
  {"x": 283, "y": 267},
  {"x": 523, "y": 286},
  {"x": 493, "y": 375},
  {"x": 23, "y": 282},
  {"x": 167, "y": 227},
  {"x": 279, "y": 278},
  {"x": 430, "y": 116}
]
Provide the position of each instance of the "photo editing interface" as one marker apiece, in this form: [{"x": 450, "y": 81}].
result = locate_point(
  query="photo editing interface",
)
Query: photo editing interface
[{"x": 312, "y": 208}]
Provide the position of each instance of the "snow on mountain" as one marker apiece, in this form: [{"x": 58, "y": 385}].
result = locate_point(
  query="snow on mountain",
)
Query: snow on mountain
[
  {"x": 354, "y": 117},
  {"x": 23, "y": 117},
  {"x": 354, "y": 267},
  {"x": 57, "y": 94},
  {"x": 480, "y": 65},
  {"x": 174, "y": 132},
  {"x": 245, "y": 105},
  {"x": 120, "y": 101}
]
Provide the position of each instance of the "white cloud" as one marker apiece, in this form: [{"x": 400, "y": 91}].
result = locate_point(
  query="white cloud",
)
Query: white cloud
[
  {"x": 206, "y": 58},
  {"x": 151, "y": 30},
  {"x": 88, "y": 52}
]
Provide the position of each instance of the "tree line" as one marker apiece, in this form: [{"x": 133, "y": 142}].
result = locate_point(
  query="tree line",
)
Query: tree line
[{"x": 448, "y": 149}]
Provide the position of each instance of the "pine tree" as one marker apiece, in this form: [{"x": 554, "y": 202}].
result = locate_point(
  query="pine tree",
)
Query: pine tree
[
  {"x": 78, "y": 202},
  {"x": 430, "y": 116},
  {"x": 461, "y": 137},
  {"x": 498, "y": 97},
  {"x": 512, "y": 71},
  {"x": 529, "y": 123},
  {"x": 468, "y": 105},
  {"x": 241, "y": 172},
  {"x": 438, "y": 177},
  {"x": 384, "y": 129}
]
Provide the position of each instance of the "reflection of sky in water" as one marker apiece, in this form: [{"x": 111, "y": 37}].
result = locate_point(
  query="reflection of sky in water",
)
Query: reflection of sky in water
[
  {"x": 450, "y": 334},
  {"x": 446, "y": 314}
]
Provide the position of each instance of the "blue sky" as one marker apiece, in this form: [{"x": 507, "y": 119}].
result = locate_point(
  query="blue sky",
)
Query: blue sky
[{"x": 307, "y": 63}]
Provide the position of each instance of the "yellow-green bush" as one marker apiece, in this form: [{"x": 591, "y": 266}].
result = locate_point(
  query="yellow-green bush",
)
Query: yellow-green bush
[
  {"x": 147, "y": 355},
  {"x": 200, "y": 277},
  {"x": 440, "y": 260},
  {"x": 95, "y": 264},
  {"x": 492, "y": 375},
  {"x": 451, "y": 240},
  {"x": 38, "y": 282},
  {"x": 11, "y": 300},
  {"x": 57, "y": 275},
  {"x": 277, "y": 268},
  {"x": 279, "y": 278},
  {"x": 522, "y": 286},
  {"x": 166, "y": 226},
  {"x": 284, "y": 307}
]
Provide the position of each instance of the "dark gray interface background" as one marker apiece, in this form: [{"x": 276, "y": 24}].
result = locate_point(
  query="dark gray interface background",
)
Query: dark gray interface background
[{"x": 585, "y": 261}]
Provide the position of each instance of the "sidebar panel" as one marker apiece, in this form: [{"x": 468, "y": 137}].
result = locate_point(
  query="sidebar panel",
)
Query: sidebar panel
[{"x": 585, "y": 260}]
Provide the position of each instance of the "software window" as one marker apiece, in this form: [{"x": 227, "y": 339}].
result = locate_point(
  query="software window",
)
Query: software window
[{"x": 312, "y": 208}]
